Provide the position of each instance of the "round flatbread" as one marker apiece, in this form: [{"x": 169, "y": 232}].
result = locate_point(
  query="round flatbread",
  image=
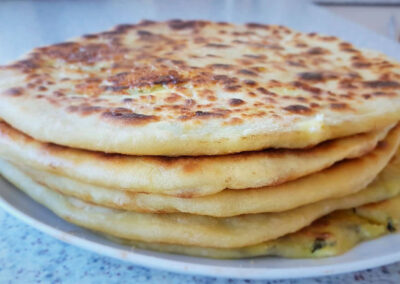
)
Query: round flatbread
[
  {"x": 331, "y": 235},
  {"x": 342, "y": 179},
  {"x": 193, "y": 230},
  {"x": 183, "y": 176},
  {"x": 198, "y": 88}
]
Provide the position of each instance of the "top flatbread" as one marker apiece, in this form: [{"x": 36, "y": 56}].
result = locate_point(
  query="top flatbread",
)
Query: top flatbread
[{"x": 198, "y": 88}]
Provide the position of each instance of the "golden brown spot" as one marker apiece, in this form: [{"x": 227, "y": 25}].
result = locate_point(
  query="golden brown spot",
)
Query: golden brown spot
[
  {"x": 189, "y": 166},
  {"x": 338, "y": 106},
  {"x": 235, "y": 121},
  {"x": 174, "y": 97},
  {"x": 361, "y": 64}
]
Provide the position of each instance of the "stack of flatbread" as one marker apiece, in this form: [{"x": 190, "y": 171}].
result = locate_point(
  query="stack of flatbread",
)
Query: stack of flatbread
[{"x": 208, "y": 139}]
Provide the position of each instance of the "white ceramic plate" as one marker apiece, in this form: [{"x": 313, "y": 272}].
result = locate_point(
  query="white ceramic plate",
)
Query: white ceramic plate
[{"x": 370, "y": 254}]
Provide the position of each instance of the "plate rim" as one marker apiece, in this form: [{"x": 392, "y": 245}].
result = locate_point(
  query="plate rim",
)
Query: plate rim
[{"x": 176, "y": 266}]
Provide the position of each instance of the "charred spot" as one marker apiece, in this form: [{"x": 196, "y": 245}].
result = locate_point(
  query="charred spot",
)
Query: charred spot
[
  {"x": 127, "y": 100},
  {"x": 222, "y": 66},
  {"x": 301, "y": 99},
  {"x": 14, "y": 92},
  {"x": 295, "y": 63},
  {"x": 316, "y": 76},
  {"x": 236, "y": 102},
  {"x": 42, "y": 88},
  {"x": 225, "y": 79},
  {"x": 361, "y": 64},
  {"x": 121, "y": 114},
  {"x": 27, "y": 65},
  {"x": 384, "y": 94},
  {"x": 381, "y": 84},
  {"x": 172, "y": 78},
  {"x": 145, "y": 23},
  {"x": 298, "y": 109},
  {"x": 347, "y": 84},
  {"x": 311, "y": 76},
  {"x": 266, "y": 92},
  {"x": 217, "y": 45},
  {"x": 180, "y": 25},
  {"x": 257, "y": 26},
  {"x": 317, "y": 51},
  {"x": 255, "y": 56},
  {"x": 143, "y": 33},
  {"x": 307, "y": 87},
  {"x": 178, "y": 62},
  {"x": 90, "y": 36},
  {"x": 232, "y": 88},
  {"x": 115, "y": 88},
  {"x": 123, "y": 28},
  {"x": 206, "y": 114},
  {"x": 367, "y": 96},
  {"x": 250, "y": 83},
  {"x": 66, "y": 44},
  {"x": 247, "y": 72},
  {"x": 75, "y": 52}
]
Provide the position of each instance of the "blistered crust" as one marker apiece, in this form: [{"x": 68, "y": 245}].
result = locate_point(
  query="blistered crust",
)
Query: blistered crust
[{"x": 199, "y": 76}]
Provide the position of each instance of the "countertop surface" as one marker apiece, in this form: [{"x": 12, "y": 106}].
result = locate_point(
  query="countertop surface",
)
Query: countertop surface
[{"x": 29, "y": 256}]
